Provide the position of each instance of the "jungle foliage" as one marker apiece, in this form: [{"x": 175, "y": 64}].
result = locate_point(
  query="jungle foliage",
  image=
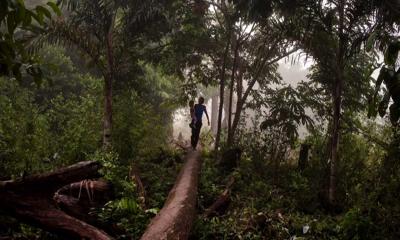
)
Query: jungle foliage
[{"x": 105, "y": 80}]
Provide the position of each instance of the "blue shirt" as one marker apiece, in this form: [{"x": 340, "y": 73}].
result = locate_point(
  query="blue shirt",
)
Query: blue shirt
[{"x": 198, "y": 111}]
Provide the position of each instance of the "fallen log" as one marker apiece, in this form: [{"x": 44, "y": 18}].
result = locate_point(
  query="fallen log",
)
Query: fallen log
[
  {"x": 77, "y": 199},
  {"x": 175, "y": 219},
  {"x": 42, "y": 213},
  {"x": 222, "y": 202},
  {"x": 50, "y": 182},
  {"x": 30, "y": 199}
]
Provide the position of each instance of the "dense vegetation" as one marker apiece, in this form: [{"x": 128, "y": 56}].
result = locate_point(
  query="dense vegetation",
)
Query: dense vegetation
[{"x": 104, "y": 80}]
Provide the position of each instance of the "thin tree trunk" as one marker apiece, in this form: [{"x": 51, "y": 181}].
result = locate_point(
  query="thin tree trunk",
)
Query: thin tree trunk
[
  {"x": 221, "y": 95},
  {"x": 337, "y": 99},
  {"x": 108, "y": 82},
  {"x": 214, "y": 114},
  {"x": 242, "y": 99},
  {"x": 232, "y": 83},
  {"x": 224, "y": 124}
]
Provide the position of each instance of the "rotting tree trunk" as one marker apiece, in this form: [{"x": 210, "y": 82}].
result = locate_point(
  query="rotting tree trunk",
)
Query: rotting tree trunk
[
  {"x": 337, "y": 100},
  {"x": 30, "y": 199},
  {"x": 175, "y": 219},
  {"x": 77, "y": 199},
  {"x": 42, "y": 213}
]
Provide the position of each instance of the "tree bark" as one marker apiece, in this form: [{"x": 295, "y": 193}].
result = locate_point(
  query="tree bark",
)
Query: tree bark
[
  {"x": 337, "y": 100},
  {"x": 50, "y": 182},
  {"x": 108, "y": 82},
  {"x": 78, "y": 198},
  {"x": 232, "y": 83},
  {"x": 303, "y": 156},
  {"x": 175, "y": 219},
  {"x": 221, "y": 95},
  {"x": 30, "y": 199},
  {"x": 214, "y": 114},
  {"x": 224, "y": 124},
  {"x": 42, "y": 213}
]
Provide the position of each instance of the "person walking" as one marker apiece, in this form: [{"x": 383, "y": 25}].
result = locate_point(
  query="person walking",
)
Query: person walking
[{"x": 199, "y": 109}]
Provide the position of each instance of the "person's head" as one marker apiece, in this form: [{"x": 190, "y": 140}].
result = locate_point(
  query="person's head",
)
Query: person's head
[
  {"x": 201, "y": 100},
  {"x": 191, "y": 103}
]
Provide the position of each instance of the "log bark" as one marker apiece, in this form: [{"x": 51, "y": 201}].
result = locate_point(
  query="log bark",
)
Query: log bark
[
  {"x": 30, "y": 199},
  {"x": 41, "y": 212},
  {"x": 175, "y": 219},
  {"x": 77, "y": 199},
  {"x": 52, "y": 181}
]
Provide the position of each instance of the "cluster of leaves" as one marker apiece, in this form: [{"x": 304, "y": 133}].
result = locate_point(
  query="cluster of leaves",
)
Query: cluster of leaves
[
  {"x": 292, "y": 205},
  {"x": 286, "y": 113},
  {"x": 44, "y": 126},
  {"x": 390, "y": 76},
  {"x": 16, "y": 22},
  {"x": 126, "y": 212}
]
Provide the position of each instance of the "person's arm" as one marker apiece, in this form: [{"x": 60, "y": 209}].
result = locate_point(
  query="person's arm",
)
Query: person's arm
[{"x": 208, "y": 119}]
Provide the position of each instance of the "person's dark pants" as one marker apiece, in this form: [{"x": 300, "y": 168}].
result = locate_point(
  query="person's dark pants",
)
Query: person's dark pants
[{"x": 196, "y": 134}]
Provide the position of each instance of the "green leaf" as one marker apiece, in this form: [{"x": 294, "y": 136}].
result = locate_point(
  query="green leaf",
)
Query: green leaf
[
  {"x": 44, "y": 11},
  {"x": 38, "y": 16},
  {"x": 21, "y": 10},
  {"x": 371, "y": 41},
  {"x": 55, "y": 8}
]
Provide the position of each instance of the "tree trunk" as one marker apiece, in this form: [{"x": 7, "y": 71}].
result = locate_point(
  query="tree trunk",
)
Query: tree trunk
[
  {"x": 225, "y": 111},
  {"x": 221, "y": 94},
  {"x": 175, "y": 219},
  {"x": 232, "y": 83},
  {"x": 214, "y": 114},
  {"x": 42, "y": 213},
  {"x": 108, "y": 82},
  {"x": 303, "y": 156},
  {"x": 30, "y": 199},
  {"x": 337, "y": 100},
  {"x": 242, "y": 99}
]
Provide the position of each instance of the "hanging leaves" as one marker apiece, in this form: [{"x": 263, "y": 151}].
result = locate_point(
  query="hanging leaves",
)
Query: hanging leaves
[
  {"x": 15, "y": 17},
  {"x": 391, "y": 78}
]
